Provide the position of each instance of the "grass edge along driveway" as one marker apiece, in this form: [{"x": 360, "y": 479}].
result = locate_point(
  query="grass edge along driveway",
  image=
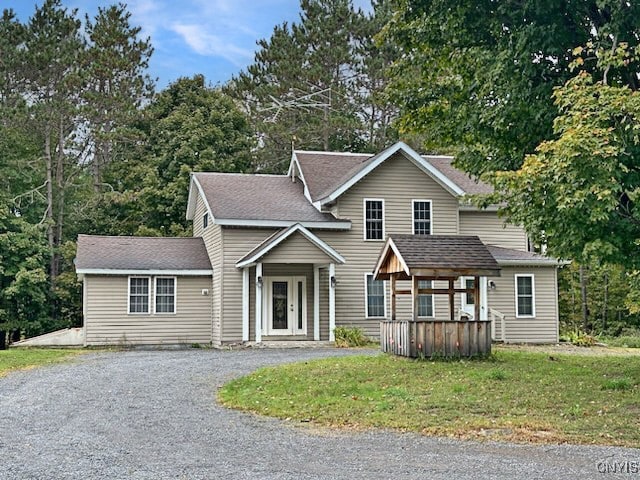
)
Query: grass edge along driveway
[
  {"x": 25, "y": 358},
  {"x": 511, "y": 396}
]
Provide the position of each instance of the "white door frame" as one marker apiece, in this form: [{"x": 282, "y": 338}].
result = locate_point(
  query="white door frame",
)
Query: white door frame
[
  {"x": 466, "y": 307},
  {"x": 293, "y": 307}
]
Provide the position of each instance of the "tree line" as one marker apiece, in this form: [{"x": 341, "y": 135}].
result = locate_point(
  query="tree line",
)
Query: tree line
[{"x": 536, "y": 97}]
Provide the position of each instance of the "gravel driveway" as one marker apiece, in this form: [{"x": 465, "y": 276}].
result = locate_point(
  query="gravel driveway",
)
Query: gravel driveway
[{"x": 153, "y": 415}]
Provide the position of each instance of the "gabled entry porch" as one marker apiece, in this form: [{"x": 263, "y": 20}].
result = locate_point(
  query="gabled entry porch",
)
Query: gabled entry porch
[{"x": 288, "y": 288}]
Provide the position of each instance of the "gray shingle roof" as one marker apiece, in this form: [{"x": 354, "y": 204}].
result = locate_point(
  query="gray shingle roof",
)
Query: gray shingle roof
[
  {"x": 324, "y": 172},
  {"x": 506, "y": 256},
  {"x": 452, "y": 252},
  {"x": 460, "y": 178},
  {"x": 258, "y": 197},
  {"x": 141, "y": 253}
]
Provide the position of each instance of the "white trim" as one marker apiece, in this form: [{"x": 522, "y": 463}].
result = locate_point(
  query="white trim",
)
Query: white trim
[
  {"x": 134, "y": 272},
  {"x": 245, "y": 304},
  {"x": 366, "y": 294},
  {"x": 464, "y": 304},
  {"x": 291, "y": 174},
  {"x": 148, "y": 312},
  {"x": 413, "y": 156},
  {"x": 413, "y": 212},
  {"x": 316, "y": 303},
  {"x": 292, "y": 313},
  {"x": 175, "y": 295},
  {"x": 543, "y": 262},
  {"x": 259, "y": 295},
  {"x": 484, "y": 299},
  {"x": 533, "y": 294},
  {"x": 385, "y": 250},
  {"x": 191, "y": 203},
  {"x": 319, "y": 243},
  {"x": 232, "y": 222},
  {"x": 332, "y": 304},
  {"x": 364, "y": 220}
]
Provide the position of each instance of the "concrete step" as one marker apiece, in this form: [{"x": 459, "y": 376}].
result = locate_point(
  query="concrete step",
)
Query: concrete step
[{"x": 69, "y": 337}]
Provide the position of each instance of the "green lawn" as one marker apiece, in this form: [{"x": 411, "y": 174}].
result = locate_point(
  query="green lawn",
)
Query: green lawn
[
  {"x": 14, "y": 358},
  {"x": 515, "y": 396}
]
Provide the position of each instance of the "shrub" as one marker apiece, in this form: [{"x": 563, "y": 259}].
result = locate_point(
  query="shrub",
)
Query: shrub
[
  {"x": 350, "y": 337},
  {"x": 578, "y": 337}
]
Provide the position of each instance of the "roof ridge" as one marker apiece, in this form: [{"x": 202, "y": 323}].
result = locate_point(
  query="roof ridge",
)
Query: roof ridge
[
  {"x": 136, "y": 236},
  {"x": 323, "y": 152},
  {"x": 236, "y": 174}
]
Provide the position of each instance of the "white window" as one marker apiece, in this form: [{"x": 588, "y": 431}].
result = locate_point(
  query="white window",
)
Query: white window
[
  {"x": 425, "y": 302},
  {"x": 373, "y": 219},
  {"x": 375, "y": 297},
  {"x": 467, "y": 299},
  {"x": 165, "y": 294},
  {"x": 139, "y": 294},
  {"x": 205, "y": 220},
  {"x": 421, "y": 217},
  {"x": 525, "y": 296}
]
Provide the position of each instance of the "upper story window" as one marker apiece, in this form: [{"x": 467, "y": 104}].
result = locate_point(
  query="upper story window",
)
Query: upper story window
[
  {"x": 373, "y": 219},
  {"x": 165, "y": 295},
  {"x": 205, "y": 220},
  {"x": 139, "y": 294},
  {"x": 422, "y": 217},
  {"x": 525, "y": 296}
]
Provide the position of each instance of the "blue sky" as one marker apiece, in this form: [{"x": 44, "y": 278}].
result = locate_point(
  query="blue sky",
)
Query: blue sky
[{"x": 213, "y": 37}]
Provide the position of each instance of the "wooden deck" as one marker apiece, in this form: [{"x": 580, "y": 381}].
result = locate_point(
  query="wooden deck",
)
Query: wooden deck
[{"x": 436, "y": 338}]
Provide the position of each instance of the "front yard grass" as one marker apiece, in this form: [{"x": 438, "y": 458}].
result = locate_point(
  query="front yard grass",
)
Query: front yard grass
[
  {"x": 512, "y": 396},
  {"x": 14, "y": 359}
]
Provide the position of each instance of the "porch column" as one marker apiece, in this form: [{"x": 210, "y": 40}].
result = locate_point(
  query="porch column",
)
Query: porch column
[
  {"x": 476, "y": 298},
  {"x": 332, "y": 302},
  {"x": 484, "y": 301},
  {"x": 245, "y": 304},
  {"x": 316, "y": 303},
  {"x": 258, "y": 302}
]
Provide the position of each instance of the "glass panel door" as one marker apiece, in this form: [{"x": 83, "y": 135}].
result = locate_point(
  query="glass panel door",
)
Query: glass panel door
[{"x": 280, "y": 305}]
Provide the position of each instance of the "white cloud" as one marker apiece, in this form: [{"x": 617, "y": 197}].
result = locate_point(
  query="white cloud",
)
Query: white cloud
[{"x": 208, "y": 44}]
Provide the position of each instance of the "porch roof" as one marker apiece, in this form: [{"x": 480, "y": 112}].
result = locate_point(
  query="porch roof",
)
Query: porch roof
[
  {"x": 436, "y": 256},
  {"x": 261, "y": 250}
]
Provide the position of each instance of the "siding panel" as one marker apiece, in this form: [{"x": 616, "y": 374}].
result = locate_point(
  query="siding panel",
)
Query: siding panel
[
  {"x": 543, "y": 328},
  {"x": 107, "y": 320},
  {"x": 492, "y": 230}
]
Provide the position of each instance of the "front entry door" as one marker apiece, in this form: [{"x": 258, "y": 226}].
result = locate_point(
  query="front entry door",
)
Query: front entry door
[{"x": 286, "y": 306}]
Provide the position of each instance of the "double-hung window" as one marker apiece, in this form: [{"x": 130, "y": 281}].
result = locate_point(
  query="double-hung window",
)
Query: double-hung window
[
  {"x": 165, "y": 295},
  {"x": 373, "y": 219},
  {"x": 425, "y": 301},
  {"x": 375, "y": 297},
  {"x": 139, "y": 294},
  {"x": 525, "y": 296},
  {"x": 421, "y": 217}
]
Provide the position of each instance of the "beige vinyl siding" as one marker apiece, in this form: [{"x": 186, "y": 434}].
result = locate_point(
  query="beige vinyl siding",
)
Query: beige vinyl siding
[
  {"x": 543, "y": 328},
  {"x": 398, "y": 182},
  {"x": 108, "y": 322},
  {"x": 492, "y": 230},
  {"x": 212, "y": 237},
  {"x": 237, "y": 242},
  {"x": 297, "y": 249}
]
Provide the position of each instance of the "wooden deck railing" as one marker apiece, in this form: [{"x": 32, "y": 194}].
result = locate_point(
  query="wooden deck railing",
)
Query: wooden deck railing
[{"x": 429, "y": 338}]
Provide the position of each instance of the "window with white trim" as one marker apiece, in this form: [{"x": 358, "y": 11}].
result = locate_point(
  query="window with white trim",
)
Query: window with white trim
[
  {"x": 468, "y": 299},
  {"x": 421, "y": 217},
  {"x": 374, "y": 219},
  {"x": 165, "y": 295},
  {"x": 525, "y": 296},
  {"x": 205, "y": 220},
  {"x": 139, "y": 294},
  {"x": 425, "y": 302},
  {"x": 375, "y": 297}
]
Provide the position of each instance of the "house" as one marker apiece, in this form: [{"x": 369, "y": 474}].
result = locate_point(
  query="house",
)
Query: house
[{"x": 290, "y": 257}]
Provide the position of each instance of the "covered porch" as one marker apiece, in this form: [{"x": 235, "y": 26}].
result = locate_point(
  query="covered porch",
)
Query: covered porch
[
  {"x": 288, "y": 288},
  {"x": 441, "y": 259}
]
